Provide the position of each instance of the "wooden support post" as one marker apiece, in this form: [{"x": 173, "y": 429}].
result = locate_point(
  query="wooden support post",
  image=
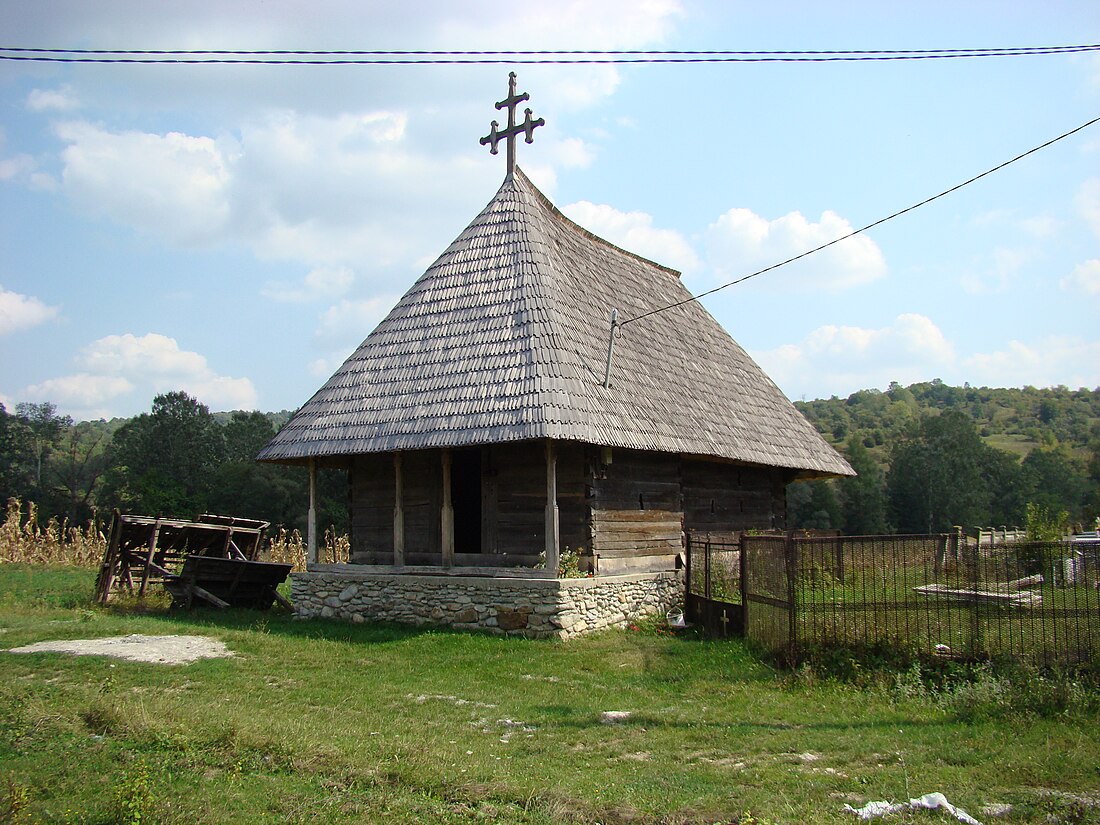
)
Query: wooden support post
[
  {"x": 149, "y": 558},
  {"x": 552, "y": 532},
  {"x": 311, "y": 522},
  {"x": 447, "y": 520},
  {"x": 398, "y": 513}
]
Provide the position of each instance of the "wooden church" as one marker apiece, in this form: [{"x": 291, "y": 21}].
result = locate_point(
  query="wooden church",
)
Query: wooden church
[{"x": 499, "y": 416}]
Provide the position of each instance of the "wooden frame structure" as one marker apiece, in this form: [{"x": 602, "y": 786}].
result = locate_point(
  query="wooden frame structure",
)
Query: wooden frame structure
[{"x": 212, "y": 558}]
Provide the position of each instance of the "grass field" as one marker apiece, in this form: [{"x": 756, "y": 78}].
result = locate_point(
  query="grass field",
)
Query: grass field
[{"x": 325, "y": 722}]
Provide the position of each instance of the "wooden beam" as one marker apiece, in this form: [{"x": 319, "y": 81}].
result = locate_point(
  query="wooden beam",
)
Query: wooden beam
[
  {"x": 552, "y": 531},
  {"x": 398, "y": 513},
  {"x": 447, "y": 514},
  {"x": 311, "y": 521},
  {"x": 149, "y": 559}
]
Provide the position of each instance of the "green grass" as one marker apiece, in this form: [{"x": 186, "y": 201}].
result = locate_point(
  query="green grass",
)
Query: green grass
[{"x": 326, "y": 722}]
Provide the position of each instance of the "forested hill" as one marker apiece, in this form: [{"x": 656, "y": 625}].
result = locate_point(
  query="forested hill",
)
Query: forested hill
[
  {"x": 932, "y": 455},
  {"x": 1015, "y": 420}
]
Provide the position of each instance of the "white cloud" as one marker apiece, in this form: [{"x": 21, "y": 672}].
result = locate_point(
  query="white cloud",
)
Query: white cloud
[
  {"x": 838, "y": 360},
  {"x": 329, "y": 192},
  {"x": 19, "y": 312},
  {"x": 125, "y": 365},
  {"x": 635, "y": 232},
  {"x": 1000, "y": 274},
  {"x": 834, "y": 357},
  {"x": 174, "y": 185},
  {"x": 1084, "y": 278},
  {"x": 344, "y": 326},
  {"x": 80, "y": 390},
  {"x": 53, "y": 100},
  {"x": 320, "y": 282},
  {"x": 1040, "y": 226},
  {"x": 1053, "y": 361},
  {"x": 17, "y": 166},
  {"x": 1088, "y": 204},
  {"x": 741, "y": 242}
]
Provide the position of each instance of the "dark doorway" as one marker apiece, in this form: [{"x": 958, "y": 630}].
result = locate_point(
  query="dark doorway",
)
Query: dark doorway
[{"x": 466, "y": 499}]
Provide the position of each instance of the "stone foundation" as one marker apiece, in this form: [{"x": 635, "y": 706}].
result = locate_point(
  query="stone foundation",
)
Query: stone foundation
[{"x": 559, "y": 608}]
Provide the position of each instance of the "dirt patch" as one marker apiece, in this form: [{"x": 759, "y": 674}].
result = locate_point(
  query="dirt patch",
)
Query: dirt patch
[{"x": 161, "y": 650}]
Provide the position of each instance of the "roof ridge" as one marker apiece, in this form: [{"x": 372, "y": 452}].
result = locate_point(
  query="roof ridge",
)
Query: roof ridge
[{"x": 572, "y": 224}]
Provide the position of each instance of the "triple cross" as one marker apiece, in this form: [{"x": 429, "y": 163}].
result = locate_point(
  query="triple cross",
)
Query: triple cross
[{"x": 527, "y": 128}]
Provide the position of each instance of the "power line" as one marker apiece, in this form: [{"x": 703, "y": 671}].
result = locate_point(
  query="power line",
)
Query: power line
[
  {"x": 852, "y": 234},
  {"x": 305, "y": 57}
]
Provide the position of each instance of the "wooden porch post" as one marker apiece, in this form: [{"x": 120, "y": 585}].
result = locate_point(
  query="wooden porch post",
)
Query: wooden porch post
[
  {"x": 552, "y": 533},
  {"x": 398, "y": 513},
  {"x": 311, "y": 521},
  {"x": 447, "y": 520}
]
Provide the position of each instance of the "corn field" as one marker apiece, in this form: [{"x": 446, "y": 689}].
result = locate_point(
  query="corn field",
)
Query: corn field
[{"x": 23, "y": 540}]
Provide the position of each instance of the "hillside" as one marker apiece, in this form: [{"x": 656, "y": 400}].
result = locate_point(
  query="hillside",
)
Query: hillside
[
  {"x": 1013, "y": 420},
  {"x": 935, "y": 455}
]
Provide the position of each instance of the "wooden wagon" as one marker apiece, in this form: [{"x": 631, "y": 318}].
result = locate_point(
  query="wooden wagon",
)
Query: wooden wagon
[{"x": 212, "y": 559}]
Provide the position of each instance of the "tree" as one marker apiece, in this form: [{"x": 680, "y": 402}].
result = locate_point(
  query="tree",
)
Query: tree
[
  {"x": 75, "y": 469},
  {"x": 935, "y": 478},
  {"x": 813, "y": 505},
  {"x": 45, "y": 427},
  {"x": 15, "y": 452},
  {"x": 1057, "y": 481},
  {"x": 246, "y": 434},
  {"x": 863, "y": 497},
  {"x": 164, "y": 461},
  {"x": 1008, "y": 488}
]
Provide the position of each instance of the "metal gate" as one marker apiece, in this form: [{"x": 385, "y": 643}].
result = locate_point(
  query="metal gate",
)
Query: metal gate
[
  {"x": 714, "y": 598},
  {"x": 770, "y": 564}
]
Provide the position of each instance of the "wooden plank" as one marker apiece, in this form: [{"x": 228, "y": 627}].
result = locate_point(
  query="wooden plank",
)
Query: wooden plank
[
  {"x": 638, "y": 551},
  {"x": 648, "y": 564},
  {"x": 635, "y": 516}
]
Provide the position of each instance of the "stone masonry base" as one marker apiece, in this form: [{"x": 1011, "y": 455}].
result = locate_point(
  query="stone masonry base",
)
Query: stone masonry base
[{"x": 560, "y": 608}]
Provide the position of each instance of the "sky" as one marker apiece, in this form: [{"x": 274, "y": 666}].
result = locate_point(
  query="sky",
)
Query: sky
[{"x": 236, "y": 231}]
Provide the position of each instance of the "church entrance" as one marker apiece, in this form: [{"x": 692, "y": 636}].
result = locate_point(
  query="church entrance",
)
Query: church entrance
[{"x": 466, "y": 500}]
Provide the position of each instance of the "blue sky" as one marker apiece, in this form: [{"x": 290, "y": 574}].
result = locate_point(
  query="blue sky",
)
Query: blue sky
[{"x": 236, "y": 231}]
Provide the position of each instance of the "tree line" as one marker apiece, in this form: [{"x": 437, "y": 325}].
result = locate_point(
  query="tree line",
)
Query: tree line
[
  {"x": 178, "y": 460},
  {"x": 931, "y": 456}
]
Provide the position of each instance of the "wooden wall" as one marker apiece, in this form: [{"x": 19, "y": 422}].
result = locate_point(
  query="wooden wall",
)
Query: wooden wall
[
  {"x": 724, "y": 499},
  {"x": 371, "y": 480},
  {"x": 630, "y": 512},
  {"x": 637, "y": 516}
]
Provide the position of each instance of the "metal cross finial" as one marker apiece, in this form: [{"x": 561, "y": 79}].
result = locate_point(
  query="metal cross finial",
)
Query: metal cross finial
[{"x": 527, "y": 128}]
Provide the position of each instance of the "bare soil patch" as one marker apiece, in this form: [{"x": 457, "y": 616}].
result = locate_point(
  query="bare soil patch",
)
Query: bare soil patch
[{"x": 161, "y": 650}]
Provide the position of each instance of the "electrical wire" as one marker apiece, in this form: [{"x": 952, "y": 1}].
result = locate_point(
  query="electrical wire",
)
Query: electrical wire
[
  {"x": 869, "y": 226},
  {"x": 342, "y": 57}
]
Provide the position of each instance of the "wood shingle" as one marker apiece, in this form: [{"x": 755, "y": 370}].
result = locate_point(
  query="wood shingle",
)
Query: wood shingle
[{"x": 504, "y": 339}]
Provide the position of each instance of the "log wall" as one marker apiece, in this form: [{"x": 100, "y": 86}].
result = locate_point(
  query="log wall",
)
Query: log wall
[
  {"x": 625, "y": 515},
  {"x": 724, "y": 499}
]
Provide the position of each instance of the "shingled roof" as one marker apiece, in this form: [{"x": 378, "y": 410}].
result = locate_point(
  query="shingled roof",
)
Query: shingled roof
[{"x": 504, "y": 338}]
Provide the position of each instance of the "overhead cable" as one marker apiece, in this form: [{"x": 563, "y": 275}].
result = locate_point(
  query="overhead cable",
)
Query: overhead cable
[
  {"x": 344, "y": 57},
  {"x": 872, "y": 225}
]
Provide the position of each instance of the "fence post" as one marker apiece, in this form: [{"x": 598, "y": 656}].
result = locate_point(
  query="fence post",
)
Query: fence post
[
  {"x": 973, "y": 576},
  {"x": 706, "y": 570},
  {"x": 840, "y": 559},
  {"x": 687, "y": 564},
  {"x": 791, "y": 554},
  {"x": 742, "y": 569}
]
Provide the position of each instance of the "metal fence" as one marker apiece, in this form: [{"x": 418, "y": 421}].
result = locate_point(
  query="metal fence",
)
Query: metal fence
[{"x": 926, "y": 594}]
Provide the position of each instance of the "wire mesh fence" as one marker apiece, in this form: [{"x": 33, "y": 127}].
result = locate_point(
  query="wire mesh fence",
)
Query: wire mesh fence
[{"x": 928, "y": 594}]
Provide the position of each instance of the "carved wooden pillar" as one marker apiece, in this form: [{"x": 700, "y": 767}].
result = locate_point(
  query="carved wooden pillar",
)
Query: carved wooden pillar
[
  {"x": 551, "y": 548},
  {"x": 447, "y": 520},
  {"x": 311, "y": 519},
  {"x": 398, "y": 513}
]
